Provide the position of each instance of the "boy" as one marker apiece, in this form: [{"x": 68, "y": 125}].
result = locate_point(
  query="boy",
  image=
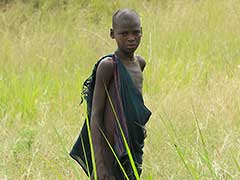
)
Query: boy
[{"x": 116, "y": 79}]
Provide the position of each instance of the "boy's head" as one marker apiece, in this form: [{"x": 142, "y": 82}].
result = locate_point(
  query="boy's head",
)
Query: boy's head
[{"x": 126, "y": 30}]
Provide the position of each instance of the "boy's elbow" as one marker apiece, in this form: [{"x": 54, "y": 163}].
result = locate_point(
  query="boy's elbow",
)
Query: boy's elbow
[{"x": 95, "y": 120}]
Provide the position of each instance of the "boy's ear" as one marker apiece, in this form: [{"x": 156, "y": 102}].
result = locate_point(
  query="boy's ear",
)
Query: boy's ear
[{"x": 111, "y": 33}]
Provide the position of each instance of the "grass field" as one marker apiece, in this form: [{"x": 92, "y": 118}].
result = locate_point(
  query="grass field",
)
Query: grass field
[{"x": 191, "y": 84}]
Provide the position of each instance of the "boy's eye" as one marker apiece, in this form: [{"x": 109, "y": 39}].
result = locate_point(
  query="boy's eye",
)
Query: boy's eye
[
  {"x": 124, "y": 33},
  {"x": 137, "y": 32}
]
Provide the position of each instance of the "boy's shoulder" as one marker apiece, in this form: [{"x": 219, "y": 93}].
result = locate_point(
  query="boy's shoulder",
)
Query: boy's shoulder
[
  {"x": 141, "y": 61},
  {"x": 107, "y": 63},
  {"x": 106, "y": 68}
]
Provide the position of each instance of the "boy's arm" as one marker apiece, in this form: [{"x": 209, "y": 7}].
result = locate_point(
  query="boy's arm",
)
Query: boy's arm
[
  {"x": 104, "y": 75},
  {"x": 141, "y": 61}
]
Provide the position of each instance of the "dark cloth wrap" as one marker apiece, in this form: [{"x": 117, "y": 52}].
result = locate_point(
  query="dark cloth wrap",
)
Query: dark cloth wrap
[{"x": 133, "y": 117}]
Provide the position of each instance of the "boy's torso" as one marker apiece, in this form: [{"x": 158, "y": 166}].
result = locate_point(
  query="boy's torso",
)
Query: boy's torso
[
  {"x": 134, "y": 70},
  {"x": 135, "y": 73}
]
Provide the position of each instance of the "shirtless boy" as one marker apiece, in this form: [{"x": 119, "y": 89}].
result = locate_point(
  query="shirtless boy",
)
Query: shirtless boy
[{"x": 118, "y": 79}]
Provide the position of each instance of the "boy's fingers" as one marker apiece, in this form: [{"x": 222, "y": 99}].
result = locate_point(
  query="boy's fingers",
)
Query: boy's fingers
[{"x": 112, "y": 178}]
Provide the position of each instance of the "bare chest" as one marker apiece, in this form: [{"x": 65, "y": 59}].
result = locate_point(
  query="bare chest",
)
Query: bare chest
[{"x": 135, "y": 72}]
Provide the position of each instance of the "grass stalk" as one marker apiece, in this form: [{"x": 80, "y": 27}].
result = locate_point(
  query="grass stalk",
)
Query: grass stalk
[
  {"x": 236, "y": 162},
  {"x": 51, "y": 166},
  {"x": 65, "y": 151},
  {"x": 31, "y": 163},
  {"x": 85, "y": 156},
  {"x": 90, "y": 142},
  {"x": 123, "y": 136},
  {"x": 115, "y": 156},
  {"x": 175, "y": 142},
  {"x": 206, "y": 155}
]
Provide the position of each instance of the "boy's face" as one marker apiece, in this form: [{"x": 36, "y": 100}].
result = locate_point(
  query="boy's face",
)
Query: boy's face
[{"x": 127, "y": 33}]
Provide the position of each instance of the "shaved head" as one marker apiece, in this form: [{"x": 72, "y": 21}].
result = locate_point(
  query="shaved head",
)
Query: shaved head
[
  {"x": 124, "y": 16},
  {"x": 126, "y": 30}
]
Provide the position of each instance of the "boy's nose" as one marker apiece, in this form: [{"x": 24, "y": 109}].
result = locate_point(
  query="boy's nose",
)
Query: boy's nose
[{"x": 131, "y": 37}]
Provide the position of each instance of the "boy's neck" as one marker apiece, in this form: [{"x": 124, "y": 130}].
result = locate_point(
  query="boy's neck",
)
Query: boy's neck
[{"x": 124, "y": 56}]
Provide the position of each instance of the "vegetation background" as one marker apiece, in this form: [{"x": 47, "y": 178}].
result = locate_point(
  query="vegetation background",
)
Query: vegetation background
[{"x": 192, "y": 85}]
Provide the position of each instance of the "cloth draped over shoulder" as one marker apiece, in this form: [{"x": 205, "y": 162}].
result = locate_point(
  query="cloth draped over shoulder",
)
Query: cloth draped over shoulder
[{"x": 131, "y": 113}]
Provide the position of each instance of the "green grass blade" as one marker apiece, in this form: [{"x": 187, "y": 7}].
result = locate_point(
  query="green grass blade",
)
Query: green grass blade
[
  {"x": 66, "y": 151},
  {"x": 236, "y": 162},
  {"x": 123, "y": 136},
  {"x": 173, "y": 136},
  {"x": 115, "y": 156},
  {"x": 51, "y": 166},
  {"x": 85, "y": 156},
  {"x": 206, "y": 155},
  {"x": 90, "y": 142}
]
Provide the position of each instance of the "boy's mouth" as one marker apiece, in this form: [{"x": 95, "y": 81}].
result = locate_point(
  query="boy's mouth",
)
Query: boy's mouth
[{"x": 131, "y": 45}]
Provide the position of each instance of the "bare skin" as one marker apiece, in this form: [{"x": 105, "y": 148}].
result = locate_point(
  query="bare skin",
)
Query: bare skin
[{"x": 127, "y": 32}]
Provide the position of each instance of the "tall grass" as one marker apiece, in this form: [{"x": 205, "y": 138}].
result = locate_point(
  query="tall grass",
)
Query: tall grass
[
  {"x": 193, "y": 58},
  {"x": 133, "y": 166}
]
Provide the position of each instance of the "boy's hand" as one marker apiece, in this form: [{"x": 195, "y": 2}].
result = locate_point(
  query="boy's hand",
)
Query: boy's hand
[
  {"x": 103, "y": 174},
  {"x": 103, "y": 177}
]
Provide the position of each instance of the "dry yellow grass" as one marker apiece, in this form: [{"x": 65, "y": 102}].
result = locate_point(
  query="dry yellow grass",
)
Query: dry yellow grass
[{"x": 193, "y": 56}]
